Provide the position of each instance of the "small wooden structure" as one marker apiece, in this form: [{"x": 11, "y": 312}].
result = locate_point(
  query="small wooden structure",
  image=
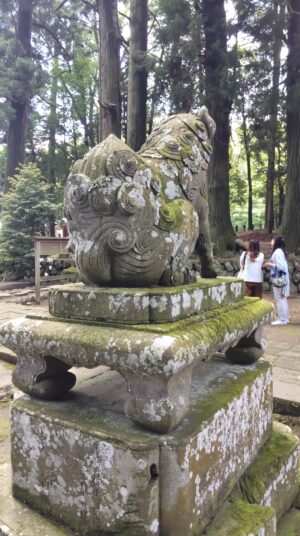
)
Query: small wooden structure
[{"x": 45, "y": 245}]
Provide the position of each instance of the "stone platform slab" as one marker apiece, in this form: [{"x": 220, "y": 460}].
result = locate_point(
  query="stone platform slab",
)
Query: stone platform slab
[
  {"x": 156, "y": 359},
  {"x": 138, "y": 306},
  {"x": 82, "y": 461}
]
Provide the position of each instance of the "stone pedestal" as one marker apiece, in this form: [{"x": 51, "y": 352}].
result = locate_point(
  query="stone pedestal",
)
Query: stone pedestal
[
  {"x": 127, "y": 330},
  {"x": 172, "y": 439}
]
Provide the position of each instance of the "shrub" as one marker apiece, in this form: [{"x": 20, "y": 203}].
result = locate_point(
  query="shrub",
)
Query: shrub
[{"x": 26, "y": 207}]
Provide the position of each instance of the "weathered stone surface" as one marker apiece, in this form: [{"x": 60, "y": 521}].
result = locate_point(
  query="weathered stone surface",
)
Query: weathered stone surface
[
  {"x": 137, "y": 306},
  {"x": 82, "y": 461},
  {"x": 243, "y": 519},
  {"x": 156, "y": 360},
  {"x": 134, "y": 219},
  {"x": 16, "y": 519},
  {"x": 208, "y": 452},
  {"x": 272, "y": 479}
]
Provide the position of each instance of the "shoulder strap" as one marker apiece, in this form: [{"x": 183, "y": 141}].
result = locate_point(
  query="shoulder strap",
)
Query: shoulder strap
[{"x": 244, "y": 259}]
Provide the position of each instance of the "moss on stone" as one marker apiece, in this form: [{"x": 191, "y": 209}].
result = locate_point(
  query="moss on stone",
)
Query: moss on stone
[
  {"x": 238, "y": 518},
  {"x": 235, "y": 316},
  {"x": 276, "y": 451},
  {"x": 290, "y": 524},
  {"x": 103, "y": 425},
  {"x": 217, "y": 397}
]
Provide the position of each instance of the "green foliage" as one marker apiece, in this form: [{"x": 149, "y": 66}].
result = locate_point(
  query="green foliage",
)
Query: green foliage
[
  {"x": 26, "y": 207},
  {"x": 179, "y": 43}
]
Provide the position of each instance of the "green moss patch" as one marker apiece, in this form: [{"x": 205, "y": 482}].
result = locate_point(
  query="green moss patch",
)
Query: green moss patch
[
  {"x": 240, "y": 519},
  {"x": 267, "y": 465},
  {"x": 290, "y": 524}
]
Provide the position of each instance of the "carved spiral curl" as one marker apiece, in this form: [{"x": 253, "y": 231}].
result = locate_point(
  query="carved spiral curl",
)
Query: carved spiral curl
[
  {"x": 103, "y": 195},
  {"x": 186, "y": 137},
  {"x": 121, "y": 238},
  {"x": 77, "y": 190},
  {"x": 146, "y": 241},
  {"x": 170, "y": 148},
  {"x": 122, "y": 164},
  {"x": 130, "y": 198}
]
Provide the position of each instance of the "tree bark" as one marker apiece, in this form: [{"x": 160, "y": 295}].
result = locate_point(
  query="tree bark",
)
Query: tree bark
[
  {"x": 249, "y": 174},
  {"x": 219, "y": 103},
  {"x": 137, "y": 75},
  {"x": 291, "y": 213},
  {"x": 52, "y": 126},
  {"x": 274, "y": 101},
  {"x": 109, "y": 59},
  {"x": 16, "y": 137}
]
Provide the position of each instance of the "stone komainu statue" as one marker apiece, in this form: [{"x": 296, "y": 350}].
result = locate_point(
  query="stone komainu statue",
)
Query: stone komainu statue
[{"x": 135, "y": 218}]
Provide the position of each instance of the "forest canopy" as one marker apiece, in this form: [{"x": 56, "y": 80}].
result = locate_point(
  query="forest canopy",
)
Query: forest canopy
[{"x": 73, "y": 72}]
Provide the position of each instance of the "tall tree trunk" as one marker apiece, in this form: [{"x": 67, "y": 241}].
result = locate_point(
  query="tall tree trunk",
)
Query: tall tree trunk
[
  {"x": 249, "y": 174},
  {"x": 291, "y": 213},
  {"x": 219, "y": 103},
  {"x": 137, "y": 74},
  {"x": 52, "y": 125},
  {"x": 16, "y": 137},
  {"x": 109, "y": 59},
  {"x": 274, "y": 101}
]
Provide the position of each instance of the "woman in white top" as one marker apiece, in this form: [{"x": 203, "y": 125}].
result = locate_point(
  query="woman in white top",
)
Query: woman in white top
[
  {"x": 251, "y": 262},
  {"x": 278, "y": 263}
]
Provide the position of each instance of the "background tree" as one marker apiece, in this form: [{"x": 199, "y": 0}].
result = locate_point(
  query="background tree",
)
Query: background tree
[
  {"x": 291, "y": 214},
  {"x": 219, "y": 99},
  {"x": 137, "y": 74},
  {"x": 109, "y": 60},
  {"x": 21, "y": 74}
]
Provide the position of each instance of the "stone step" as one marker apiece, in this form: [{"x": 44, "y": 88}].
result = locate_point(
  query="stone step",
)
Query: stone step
[
  {"x": 272, "y": 479},
  {"x": 239, "y": 518},
  {"x": 290, "y": 524}
]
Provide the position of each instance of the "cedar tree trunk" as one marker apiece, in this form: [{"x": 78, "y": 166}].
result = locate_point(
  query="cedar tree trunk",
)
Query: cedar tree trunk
[
  {"x": 219, "y": 103},
  {"x": 16, "y": 136},
  {"x": 137, "y": 75},
  {"x": 109, "y": 59},
  {"x": 291, "y": 213}
]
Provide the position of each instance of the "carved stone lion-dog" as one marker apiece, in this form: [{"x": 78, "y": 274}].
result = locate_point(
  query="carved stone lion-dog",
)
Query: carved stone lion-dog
[{"x": 135, "y": 218}]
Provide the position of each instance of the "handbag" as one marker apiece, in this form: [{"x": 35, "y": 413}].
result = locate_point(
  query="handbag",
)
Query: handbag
[{"x": 279, "y": 279}]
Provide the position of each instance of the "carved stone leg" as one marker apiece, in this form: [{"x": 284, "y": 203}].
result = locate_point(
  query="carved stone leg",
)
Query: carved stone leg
[
  {"x": 43, "y": 377},
  {"x": 203, "y": 244},
  {"x": 248, "y": 350},
  {"x": 158, "y": 403}
]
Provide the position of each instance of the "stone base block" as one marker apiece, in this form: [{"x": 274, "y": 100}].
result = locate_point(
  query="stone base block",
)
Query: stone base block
[
  {"x": 143, "y": 306},
  {"x": 85, "y": 464}
]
